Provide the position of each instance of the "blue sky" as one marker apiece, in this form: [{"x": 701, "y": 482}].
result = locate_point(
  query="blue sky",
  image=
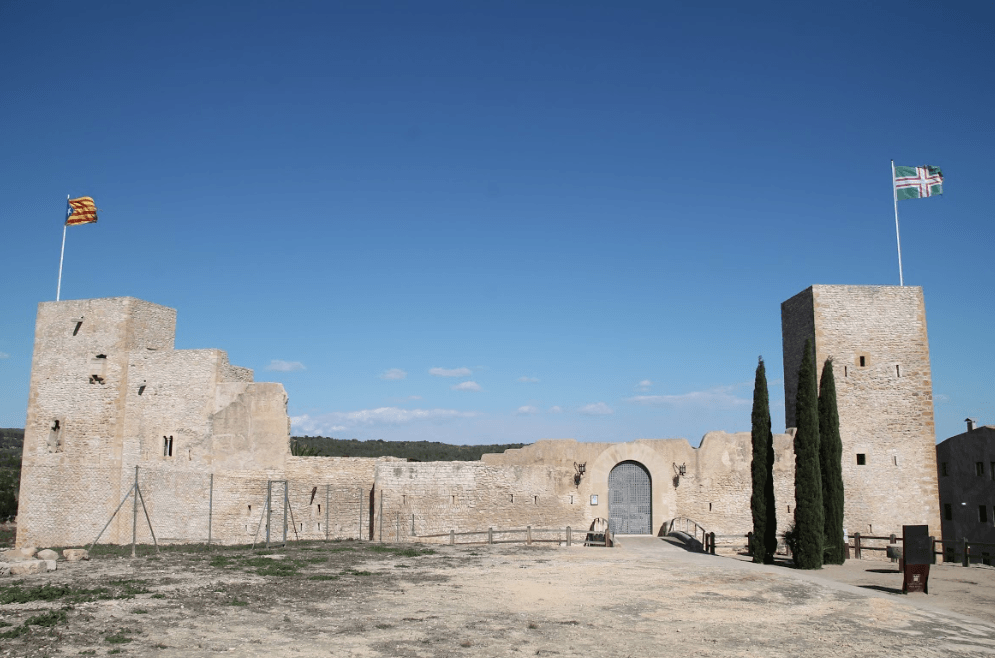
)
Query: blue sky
[{"x": 500, "y": 222}]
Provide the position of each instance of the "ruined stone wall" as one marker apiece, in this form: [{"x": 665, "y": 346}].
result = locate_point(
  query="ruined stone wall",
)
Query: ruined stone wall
[
  {"x": 876, "y": 336},
  {"x": 716, "y": 492},
  {"x": 473, "y": 496},
  {"x": 106, "y": 370}
]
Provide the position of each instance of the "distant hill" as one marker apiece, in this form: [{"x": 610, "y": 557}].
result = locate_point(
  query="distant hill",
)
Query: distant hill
[
  {"x": 11, "y": 442},
  {"x": 422, "y": 451}
]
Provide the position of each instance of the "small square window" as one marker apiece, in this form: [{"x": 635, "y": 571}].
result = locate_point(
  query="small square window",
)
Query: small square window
[
  {"x": 982, "y": 514},
  {"x": 863, "y": 361},
  {"x": 979, "y": 468},
  {"x": 861, "y": 459}
]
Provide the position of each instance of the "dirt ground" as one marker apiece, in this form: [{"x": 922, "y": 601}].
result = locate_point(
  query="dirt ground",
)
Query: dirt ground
[{"x": 349, "y": 598}]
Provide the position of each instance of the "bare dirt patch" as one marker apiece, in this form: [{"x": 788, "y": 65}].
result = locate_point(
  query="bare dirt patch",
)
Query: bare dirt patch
[{"x": 364, "y": 599}]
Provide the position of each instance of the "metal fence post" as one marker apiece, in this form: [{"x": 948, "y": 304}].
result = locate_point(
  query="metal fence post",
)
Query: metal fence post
[
  {"x": 528, "y": 535},
  {"x": 134, "y": 516},
  {"x": 210, "y": 510},
  {"x": 967, "y": 553},
  {"x": 269, "y": 508},
  {"x": 397, "y": 527},
  {"x": 452, "y": 537},
  {"x": 568, "y": 536},
  {"x": 413, "y": 526},
  {"x": 490, "y": 535}
]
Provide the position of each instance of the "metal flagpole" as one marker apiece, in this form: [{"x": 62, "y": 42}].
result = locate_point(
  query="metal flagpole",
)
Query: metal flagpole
[
  {"x": 894, "y": 193},
  {"x": 58, "y": 288}
]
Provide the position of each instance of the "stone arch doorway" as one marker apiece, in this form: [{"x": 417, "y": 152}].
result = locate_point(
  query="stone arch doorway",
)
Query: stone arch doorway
[{"x": 630, "y": 499}]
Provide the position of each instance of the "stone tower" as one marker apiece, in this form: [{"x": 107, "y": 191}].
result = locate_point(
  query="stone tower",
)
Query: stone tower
[
  {"x": 876, "y": 336},
  {"x": 109, "y": 393}
]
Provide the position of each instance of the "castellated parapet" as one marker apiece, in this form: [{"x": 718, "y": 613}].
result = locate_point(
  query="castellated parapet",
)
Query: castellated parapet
[{"x": 876, "y": 336}]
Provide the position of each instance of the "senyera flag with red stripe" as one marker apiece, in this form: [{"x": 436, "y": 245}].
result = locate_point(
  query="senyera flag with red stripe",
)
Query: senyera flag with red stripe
[{"x": 80, "y": 211}]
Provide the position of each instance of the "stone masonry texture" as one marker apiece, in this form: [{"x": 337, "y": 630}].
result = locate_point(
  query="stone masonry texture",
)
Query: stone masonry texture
[
  {"x": 876, "y": 336},
  {"x": 109, "y": 393}
]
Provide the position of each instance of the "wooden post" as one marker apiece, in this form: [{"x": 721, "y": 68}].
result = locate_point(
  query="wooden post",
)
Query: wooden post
[
  {"x": 360, "y": 513},
  {"x": 397, "y": 527},
  {"x": 891, "y": 540},
  {"x": 967, "y": 553},
  {"x": 749, "y": 542},
  {"x": 856, "y": 545},
  {"x": 568, "y": 536},
  {"x": 528, "y": 535},
  {"x": 413, "y": 526},
  {"x": 452, "y": 537},
  {"x": 932, "y": 554},
  {"x": 380, "y": 535},
  {"x": 490, "y": 535},
  {"x": 711, "y": 543}
]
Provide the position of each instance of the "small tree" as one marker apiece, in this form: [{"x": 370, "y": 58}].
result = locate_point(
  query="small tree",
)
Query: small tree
[
  {"x": 830, "y": 461},
  {"x": 809, "y": 513},
  {"x": 762, "y": 501}
]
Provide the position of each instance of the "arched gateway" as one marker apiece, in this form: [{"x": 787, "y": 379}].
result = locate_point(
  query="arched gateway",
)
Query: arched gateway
[{"x": 630, "y": 499}]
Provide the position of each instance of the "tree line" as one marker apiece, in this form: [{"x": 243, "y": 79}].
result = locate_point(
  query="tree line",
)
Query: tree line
[
  {"x": 422, "y": 451},
  {"x": 11, "y": 442},
  {"x": 816, "y": 536}
]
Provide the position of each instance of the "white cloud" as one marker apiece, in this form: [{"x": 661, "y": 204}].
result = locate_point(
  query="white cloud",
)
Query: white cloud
[
  {"x": 527, "y": 410},
  {"x": 394, "y": 374},
  {"x": 720, "y": 396},
  {"x": 414, "y": 397},
  {"x": 556, "y": 410},
  {"x": 4, "y": 355},
  {"x": 596, "y": 409},
  {"x": 466, "y": 386},
  {"x": 450, "y": 372},
  {"x": 338, "y": 421},
  {"x": 940, "y": 397},
  {"x": 285, "y": 366},
  {"x": 644, "y": 385},
  {"x": 528, "y": 379}
]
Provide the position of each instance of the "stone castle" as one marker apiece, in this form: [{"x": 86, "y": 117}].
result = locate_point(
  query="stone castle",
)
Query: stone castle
[{"x": 109, "y": 393}]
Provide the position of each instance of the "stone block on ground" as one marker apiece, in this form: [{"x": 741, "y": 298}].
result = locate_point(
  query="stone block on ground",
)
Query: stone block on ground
[
  {"x": 4, "y": 568},
  {"x": 27, "y": 567},
  {"x": 47, "y": 554},
  {"x": 51, "y": 565},
  {"x": 75, "y": 554},
  {"x": 12, "y": 555}
]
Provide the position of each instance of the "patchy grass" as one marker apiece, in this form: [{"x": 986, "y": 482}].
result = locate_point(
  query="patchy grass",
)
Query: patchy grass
[
  {"x": 322, "y": 576},
  {"x": 120, "y": 637}
]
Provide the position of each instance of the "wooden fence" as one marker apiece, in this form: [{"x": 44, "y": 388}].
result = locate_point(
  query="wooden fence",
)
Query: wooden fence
[{"x": 529, "y": 536}]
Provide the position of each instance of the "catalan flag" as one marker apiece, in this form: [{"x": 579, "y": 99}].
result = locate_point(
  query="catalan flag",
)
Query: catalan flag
[{"x": 80, "y": 211}]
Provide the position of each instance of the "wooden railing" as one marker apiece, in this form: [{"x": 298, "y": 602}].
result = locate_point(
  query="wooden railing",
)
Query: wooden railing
[
  {"x": 528, "y": 535},
  {"x": 691, "y": 528}
]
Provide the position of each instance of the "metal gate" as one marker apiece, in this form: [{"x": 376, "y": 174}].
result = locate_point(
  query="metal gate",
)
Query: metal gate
[{"x": 630, "y": 500}]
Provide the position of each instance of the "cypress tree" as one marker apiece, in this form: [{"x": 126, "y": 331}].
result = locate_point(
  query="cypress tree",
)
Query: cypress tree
[
  {"x": 809, "y": 514},
  {"x": 762, "y": 500},
  {"x": 830, "y": 461}
]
